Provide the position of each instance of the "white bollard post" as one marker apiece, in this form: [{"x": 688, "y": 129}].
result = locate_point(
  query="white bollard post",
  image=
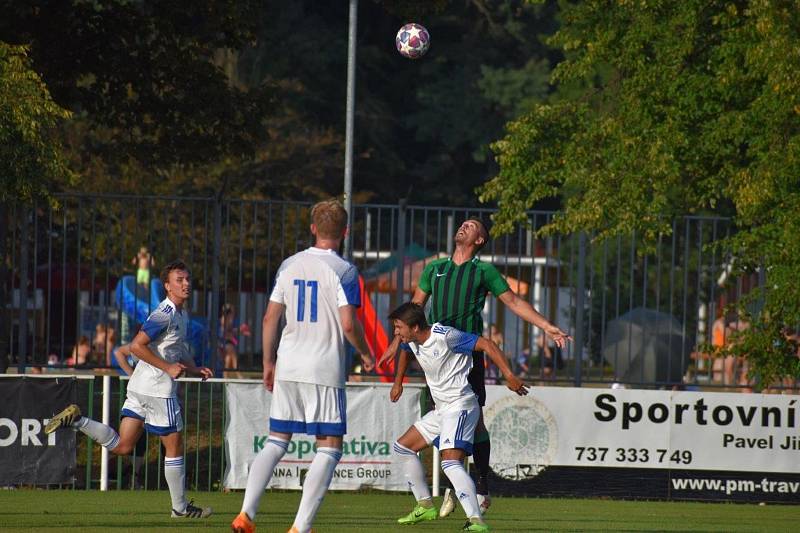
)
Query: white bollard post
[
  {"x": 105, "y": 420},
  {"x": 437, "y": 469}
]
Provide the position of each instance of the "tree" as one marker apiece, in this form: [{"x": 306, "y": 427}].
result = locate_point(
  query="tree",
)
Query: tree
[
  {"x": 671, "y": 108},
  {"x": 144, "y": 81},
  {"x": 31, "y": 158}
]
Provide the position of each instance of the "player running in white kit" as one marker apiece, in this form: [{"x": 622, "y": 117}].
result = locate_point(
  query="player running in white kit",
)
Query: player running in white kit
[
  {"x": 445, "y": 355},
  {"x": 152, "y": 401}
]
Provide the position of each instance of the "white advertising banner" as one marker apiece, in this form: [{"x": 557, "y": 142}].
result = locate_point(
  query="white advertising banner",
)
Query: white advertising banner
[
  {"x": 373, "y": 424},
  {"x": 641, "y": 429}
]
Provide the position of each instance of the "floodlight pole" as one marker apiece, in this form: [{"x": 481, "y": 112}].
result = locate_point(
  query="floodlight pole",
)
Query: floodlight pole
[{"x": 348, "y": 150}]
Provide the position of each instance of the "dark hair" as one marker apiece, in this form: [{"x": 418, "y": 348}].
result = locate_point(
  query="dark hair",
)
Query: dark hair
[
  {"x": 411, "y": 314},
  {"x": 169, "y": 267},
  {"x": 484, "y": 229}
]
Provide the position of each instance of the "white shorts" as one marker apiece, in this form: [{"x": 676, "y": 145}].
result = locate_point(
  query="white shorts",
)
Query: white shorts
[
  {"x": 450, "y": 429},
  {"x": 161, "y": 416},
  {"x": 307, "y": 408}
]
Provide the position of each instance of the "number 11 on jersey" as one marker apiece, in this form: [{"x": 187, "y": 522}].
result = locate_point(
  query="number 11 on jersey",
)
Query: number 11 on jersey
[{"x": 301, "y": 299}]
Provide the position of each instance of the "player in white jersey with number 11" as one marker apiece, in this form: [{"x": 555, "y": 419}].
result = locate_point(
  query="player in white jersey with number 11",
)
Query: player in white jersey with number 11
[
  {"x": 445, "y": 355},
  {"x": 316, "y": 294}
]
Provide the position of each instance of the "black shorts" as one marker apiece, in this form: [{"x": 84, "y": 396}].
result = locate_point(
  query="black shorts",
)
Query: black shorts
[{"x": 476, "y": 377}]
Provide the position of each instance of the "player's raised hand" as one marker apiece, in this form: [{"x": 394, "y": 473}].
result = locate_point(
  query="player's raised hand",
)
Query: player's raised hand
[
  {"x": 558, "y": 336},
  {"x": 269, "y": 377},
  {"x": 396, "y": 392},
  {"x": 176, "y": 370},
  {"x": 516, "y": 385}
]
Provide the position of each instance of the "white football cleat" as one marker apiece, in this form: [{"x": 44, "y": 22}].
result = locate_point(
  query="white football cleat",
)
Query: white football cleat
[{"x": 448, "y": 503}]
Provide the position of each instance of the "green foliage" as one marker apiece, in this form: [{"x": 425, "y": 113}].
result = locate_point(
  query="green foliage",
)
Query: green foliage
[
  {"x": 30, "y": 158},
  {"x": 146, "y": 84},
  {"x": 684, "y": 107}
]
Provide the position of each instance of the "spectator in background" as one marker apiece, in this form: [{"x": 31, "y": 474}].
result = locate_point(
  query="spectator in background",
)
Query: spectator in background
[
  {"x": 550, "y": 358},
  {"x": 229, "y": 331},
  {"x": 80, "y": 353},
  {"x": 105, "y": 337},
  {"x": 144, "y": 261},
  {"x": 522, "y": 363}
]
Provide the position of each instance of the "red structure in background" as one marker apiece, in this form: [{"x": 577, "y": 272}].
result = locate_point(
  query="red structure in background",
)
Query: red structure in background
[{"x": 376, "y": 336}]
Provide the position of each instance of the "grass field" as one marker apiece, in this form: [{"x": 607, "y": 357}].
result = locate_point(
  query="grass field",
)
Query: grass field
[{"x": 34, "y": 510}]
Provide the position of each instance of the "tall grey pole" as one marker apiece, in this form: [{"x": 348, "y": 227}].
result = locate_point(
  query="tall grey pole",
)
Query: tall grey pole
[
  {"x": 351, "y": 102},
  {"x": 580, "y": 298}
]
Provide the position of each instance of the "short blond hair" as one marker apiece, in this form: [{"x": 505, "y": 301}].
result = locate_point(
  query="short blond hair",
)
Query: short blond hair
[{"x": 330, "y": 218}]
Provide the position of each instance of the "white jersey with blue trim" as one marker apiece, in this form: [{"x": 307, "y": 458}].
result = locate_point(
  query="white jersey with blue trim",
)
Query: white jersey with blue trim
[
  {"x": 446, "y": 359},
  {"x": 313, "y": 285},
  {"x": 167, "y": 327}
]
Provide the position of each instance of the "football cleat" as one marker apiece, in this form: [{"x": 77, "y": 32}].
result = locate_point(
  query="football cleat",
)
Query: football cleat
[
  {"x": 64, "y": 419},
  {"x": 448, "y": 503},
  {"x": 193, "y": 512},
  {"x": 475, "y": 526},
  {"x": 243, "y": 524},
  {"x": 419, "y": 514}
]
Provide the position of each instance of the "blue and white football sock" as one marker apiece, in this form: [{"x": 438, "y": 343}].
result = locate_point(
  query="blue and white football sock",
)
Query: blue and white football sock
[
  {"x": 463, "y": 486},
  {"x": 105, "y": 435},
  {"x": 175, "y": 474},
  {"x": 414, "y": 471},
  {"x": 261, "y": 472},
  {"x": 316, "y": 484}
]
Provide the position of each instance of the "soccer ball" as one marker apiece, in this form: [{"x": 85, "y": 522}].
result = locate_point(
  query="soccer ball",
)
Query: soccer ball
[{"x": 412, "y": 40}]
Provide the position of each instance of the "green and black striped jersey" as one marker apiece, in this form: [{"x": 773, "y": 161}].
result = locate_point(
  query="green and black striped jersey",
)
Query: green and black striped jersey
[{"x": 458, "y": 292}]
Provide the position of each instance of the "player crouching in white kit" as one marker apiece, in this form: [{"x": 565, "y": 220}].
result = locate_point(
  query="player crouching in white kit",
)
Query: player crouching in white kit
[
  {"x": 445, "y": 355},
  {"x": 152, "y": 402}
]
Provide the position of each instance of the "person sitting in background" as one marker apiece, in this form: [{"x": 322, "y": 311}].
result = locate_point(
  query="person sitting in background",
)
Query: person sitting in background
[
  {"x": 105, "y": 337},
  {"x": 522, "y": 362},
  {"x": 80, "y": 353},
  {"x": 550, "y": 358}
]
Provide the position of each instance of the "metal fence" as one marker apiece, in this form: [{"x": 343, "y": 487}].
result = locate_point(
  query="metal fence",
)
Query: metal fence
[{"x": 638, "y": 316}]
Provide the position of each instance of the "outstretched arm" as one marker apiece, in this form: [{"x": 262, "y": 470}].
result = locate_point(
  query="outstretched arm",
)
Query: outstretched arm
[
  {"x": 526, "y": 312},
  {"x": 498, "y": 358}
]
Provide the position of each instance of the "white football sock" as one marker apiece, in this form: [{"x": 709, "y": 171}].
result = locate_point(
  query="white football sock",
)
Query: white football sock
[
  {"x": 315, "y": 486},
  {"x": 414, "y": 471},
  {"x": 261, "y": 472},
  {"x": 463, "y": 486},
  {"x": 175, "y": 474},
  {"x": 105, "y": 435}
]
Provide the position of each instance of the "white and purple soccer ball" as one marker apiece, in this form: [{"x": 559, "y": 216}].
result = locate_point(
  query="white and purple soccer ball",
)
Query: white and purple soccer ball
[{"x": 412, "y": 40}]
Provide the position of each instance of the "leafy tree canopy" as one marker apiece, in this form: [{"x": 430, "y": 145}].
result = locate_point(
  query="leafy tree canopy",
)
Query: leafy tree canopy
[
  {"x": 30, "y": 157},
  {"x": 669, "y": 108}
]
